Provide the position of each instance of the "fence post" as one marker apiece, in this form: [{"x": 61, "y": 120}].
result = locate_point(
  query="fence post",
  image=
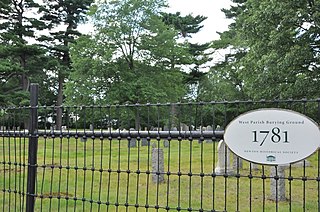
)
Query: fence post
[{"x": 33, "y": 148}]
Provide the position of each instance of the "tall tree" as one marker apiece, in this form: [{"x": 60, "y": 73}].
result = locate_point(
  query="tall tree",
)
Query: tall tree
[
  {"x": 200, "y": 54},
  {"x": 283, "y": 39},
  {"x": 62, "y": 18},
  {"x": 129, "y": 36},
  {"x": 274, "y": 48},
  {"x": 19, "y": 60},
  {"x": 130, "y": 56}
]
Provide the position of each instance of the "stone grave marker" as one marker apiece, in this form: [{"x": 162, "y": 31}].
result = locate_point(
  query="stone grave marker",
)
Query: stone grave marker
[
  {"x": 154, "y": 145},
  {"x": 63, "y": 128},
  {"x": 223, "y": 165},
  {"x": 254, "y": 166},
  {"x": 145, "y": 142},
  {"x": 132, "y": 143},
  {"x": 184, "y": 127},
  {"x": 209, "y": 128},
  {"x": 174, "y": 129},
  {"x": 278, "y": 187},
  {"x": 83, "y": 139},
  {"x": 237, "y": 162},
  {"x": 157, "y": 165},
  {"x": 165, "y": 143}
]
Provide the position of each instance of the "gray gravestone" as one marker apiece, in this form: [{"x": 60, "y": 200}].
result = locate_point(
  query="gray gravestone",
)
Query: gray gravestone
[
  {"x": 132, "y": 143},
  {"x": 219, "y": 128},
  {"x": 174, "y": 129},
  {"x": 223, "y": 165},
  {"x": 165, "y": 143},
  {"x": 165, "y": 128},
  {"x": 237, "y": 162},
  {"x": 157, "y": 165},
  {"x": 154, "y": 145},
  {"x": 63, "y": 128},
  {"x": 145, "y": 142},
  {"x": 91, "y": 127},
  {"x": 83, "y": 139},
  {"x": 184, "y": 127},
  {"x": 254, "y": 166},
  {"x": 278, "y": 187},
  {"x": 209, "y": 128}
]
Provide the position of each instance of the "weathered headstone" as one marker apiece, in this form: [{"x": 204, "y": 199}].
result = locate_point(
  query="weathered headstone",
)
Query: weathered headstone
[
  {"x": 166, "y": 128},
  {"x": 63, "y": 128},
  {"x": 154, "y": 145},
  {"x": 219, "y": 127},
  {"x": 184, "y": 127},
  {"x": 83, "y": 139},
  {"x": 91, "y": 127},
  {"x": 174, "y": 129},
  {"x": 254, "y": 166},
  {"x": 237, "y": 162},
  {"x": 223, "y": 164},
  {"x": 192, "y": 128},
  {"x": 157, "y": 165},
  {"x": 209, "y": 128},
  {"x": 132, "y": 143},
  {"x": 52, "y": 129},
  {"x": 165, "y": 143},
  {"x": 277, "y": 187},
  {"x": 145, "y": 142}
]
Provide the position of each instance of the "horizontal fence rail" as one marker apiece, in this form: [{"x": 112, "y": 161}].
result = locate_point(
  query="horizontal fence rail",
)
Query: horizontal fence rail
[{"x": 151, "y": 157}]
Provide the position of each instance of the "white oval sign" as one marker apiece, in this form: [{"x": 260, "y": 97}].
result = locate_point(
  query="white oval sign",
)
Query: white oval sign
[{"x": 272, "y": 136}]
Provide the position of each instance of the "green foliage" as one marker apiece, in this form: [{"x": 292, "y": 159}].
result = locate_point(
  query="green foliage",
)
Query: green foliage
[
  {"x": 18, "y": 58},
  {"x": 199, "y": 54},
  {"x": 186, "y": 25},
  {"x": 274, "y": 48},
  {"x": 129, "y": 59},
  {"x": 57, "y": 14}
]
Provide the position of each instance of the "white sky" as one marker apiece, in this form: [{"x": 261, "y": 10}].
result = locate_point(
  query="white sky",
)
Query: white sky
[{"x": 216, "y": 20}]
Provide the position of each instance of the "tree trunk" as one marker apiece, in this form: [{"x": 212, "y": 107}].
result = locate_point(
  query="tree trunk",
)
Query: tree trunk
[{"x": 59, "y": 104}]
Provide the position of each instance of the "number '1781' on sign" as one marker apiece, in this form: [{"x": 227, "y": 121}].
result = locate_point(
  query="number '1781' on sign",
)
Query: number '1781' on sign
[{"x": 275, "y": 136}]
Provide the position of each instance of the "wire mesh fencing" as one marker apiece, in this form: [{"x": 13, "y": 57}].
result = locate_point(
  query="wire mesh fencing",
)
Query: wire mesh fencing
[{"x": 145, "y": 157}]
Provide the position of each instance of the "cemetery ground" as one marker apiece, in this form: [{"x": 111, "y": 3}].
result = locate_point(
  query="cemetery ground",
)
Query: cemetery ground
[{"x": 185, "y": 191}]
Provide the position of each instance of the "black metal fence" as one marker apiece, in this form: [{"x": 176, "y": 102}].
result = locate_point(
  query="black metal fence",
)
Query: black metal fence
[{"x": 144, "y": 157}]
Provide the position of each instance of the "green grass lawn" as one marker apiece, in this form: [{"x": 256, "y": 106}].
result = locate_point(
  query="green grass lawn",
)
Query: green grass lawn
[{"x": 196, "y": 191}]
